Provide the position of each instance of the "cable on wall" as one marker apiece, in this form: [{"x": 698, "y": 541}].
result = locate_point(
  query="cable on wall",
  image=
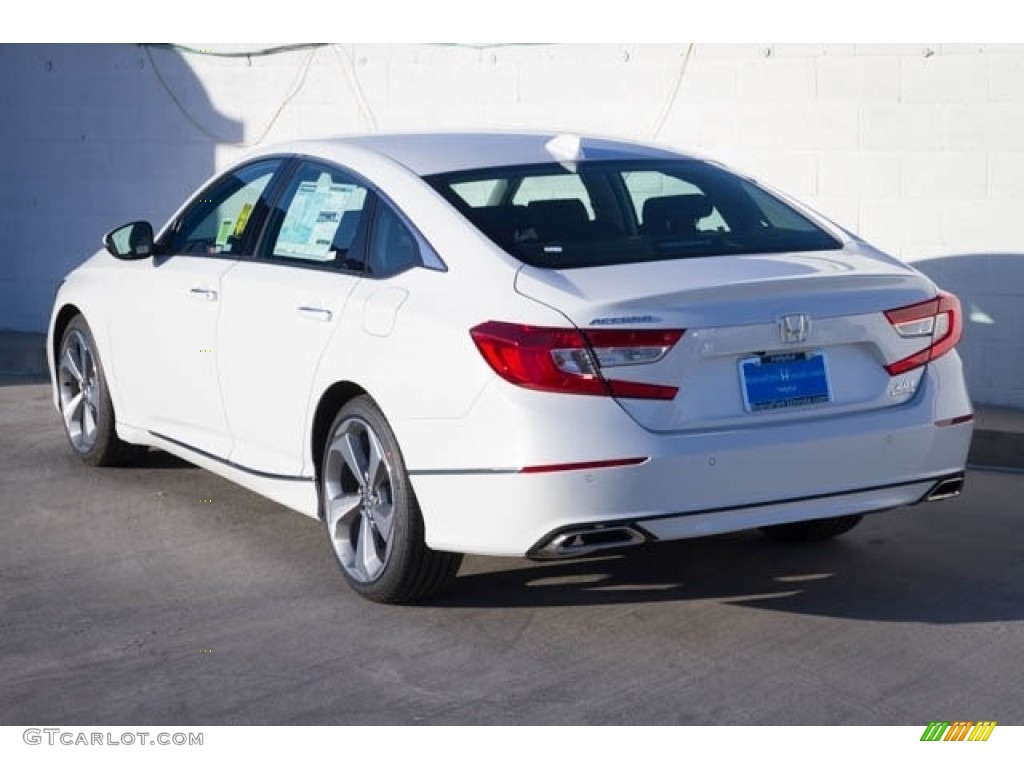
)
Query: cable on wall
[
  {"x": 352, "y": 78},
  {"x": 297, "y": 83},
  {"x": 257, "y": 52},
  {"x": 350, "y": 72},
  {"x": 673, "y": 95},
  {"x": 488, "y": 46}
]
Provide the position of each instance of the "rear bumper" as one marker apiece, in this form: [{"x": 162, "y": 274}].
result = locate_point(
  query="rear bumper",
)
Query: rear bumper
[
  {"x": 577, "y": 540},
  {"x": 691, "y": 484},
  {"x": 699, "y": 494}
]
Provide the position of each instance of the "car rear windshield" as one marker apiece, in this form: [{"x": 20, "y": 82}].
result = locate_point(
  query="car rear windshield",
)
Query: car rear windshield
[{"x": 604, "y": 212}]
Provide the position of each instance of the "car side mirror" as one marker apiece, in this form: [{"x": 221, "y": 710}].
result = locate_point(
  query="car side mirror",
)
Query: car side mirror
[{"x": 130, "y": 242}]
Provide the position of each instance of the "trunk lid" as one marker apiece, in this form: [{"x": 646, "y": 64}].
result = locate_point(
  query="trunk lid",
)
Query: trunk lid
[{"x": 772, "y": 337}]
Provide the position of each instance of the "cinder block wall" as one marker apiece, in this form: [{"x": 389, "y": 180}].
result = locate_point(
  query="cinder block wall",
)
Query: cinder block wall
[{"x": 917, "y": 147}]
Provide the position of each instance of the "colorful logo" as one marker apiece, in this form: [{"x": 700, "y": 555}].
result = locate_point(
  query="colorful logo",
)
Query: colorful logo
[{"x": 961, "y": 730}]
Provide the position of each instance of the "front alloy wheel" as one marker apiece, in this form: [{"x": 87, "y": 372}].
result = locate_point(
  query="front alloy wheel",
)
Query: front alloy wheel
[
  {"x": 85, "y": 404},
  {"x": 79, "y": 390},
  {"x": 373, "y": 521}
]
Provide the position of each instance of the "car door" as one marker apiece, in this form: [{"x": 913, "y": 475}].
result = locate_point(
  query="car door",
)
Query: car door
[
  {"x": 280, "y": 309},
  {"x": 166, "y": 324}
]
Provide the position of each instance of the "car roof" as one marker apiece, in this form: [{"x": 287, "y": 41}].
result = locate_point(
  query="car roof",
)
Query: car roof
[{"x": 428, "y": 153}]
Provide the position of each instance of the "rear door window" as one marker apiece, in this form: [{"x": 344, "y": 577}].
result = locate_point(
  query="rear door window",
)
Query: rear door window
[{"x": 319, "y": 219}]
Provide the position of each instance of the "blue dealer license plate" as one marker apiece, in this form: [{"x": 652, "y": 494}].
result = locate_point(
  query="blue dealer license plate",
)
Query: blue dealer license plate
[{"x": 784, "y": 380}]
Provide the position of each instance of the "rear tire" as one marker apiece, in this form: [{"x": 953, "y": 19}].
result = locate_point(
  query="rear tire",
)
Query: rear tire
[
  {"x": 370, "y": 512},
  {"x": 812, "y": 530},
  {"x": 85, "y": 405}
]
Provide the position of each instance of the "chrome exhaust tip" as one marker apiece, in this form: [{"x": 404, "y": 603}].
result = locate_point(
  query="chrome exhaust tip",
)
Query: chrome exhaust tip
[
  {"x": 582, "y": 541},
  {"x": 946, "y": 489}
]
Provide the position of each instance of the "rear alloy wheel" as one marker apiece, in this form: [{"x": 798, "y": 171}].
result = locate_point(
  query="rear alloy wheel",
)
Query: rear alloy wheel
[
  {"x": 372, "y": 518},
  {"x": 85, "y": 401},
  {"x": 812, "y": 530}
]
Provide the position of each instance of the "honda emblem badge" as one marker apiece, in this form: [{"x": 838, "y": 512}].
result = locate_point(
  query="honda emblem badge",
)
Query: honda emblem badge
[{"x": 793, "y": 328}]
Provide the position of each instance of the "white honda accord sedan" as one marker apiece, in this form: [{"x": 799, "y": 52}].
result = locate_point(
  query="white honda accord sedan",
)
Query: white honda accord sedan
[{"x": 514, "y": 344}]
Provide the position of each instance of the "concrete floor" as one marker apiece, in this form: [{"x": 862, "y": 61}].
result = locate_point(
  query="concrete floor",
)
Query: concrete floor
[{"x": 127, "y": 597}]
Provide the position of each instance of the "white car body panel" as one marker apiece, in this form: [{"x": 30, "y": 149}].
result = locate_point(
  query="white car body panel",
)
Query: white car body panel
[
  {"x": 282, "y": 337},
  {"x": 275, "y": 325},
  {"x": 164, "y": 339}
]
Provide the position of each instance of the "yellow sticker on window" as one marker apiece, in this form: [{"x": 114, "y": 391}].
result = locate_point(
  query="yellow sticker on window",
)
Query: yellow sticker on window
[{"x": 243, "y": 219}]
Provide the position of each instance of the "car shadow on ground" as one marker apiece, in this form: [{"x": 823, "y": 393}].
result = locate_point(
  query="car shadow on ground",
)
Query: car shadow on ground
[
  {"x": 157, "y": 459},
  {"x": 877, "y": 577}
]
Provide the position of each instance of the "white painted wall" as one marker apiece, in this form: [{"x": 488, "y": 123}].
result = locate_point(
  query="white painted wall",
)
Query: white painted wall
[{"x": 918, "y": 147}]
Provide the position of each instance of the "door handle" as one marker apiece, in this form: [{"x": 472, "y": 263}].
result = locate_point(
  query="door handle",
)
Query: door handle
[
  {"x": 316, "y": 313},
  {"x": 204, "y": 293}
]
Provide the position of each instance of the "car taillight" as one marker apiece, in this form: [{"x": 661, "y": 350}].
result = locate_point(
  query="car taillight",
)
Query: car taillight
[
  {"x": 573, "y": 361},
  {"x": 940, "y": 320}
]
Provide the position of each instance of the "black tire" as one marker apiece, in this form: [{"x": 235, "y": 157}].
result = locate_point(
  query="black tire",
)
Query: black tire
[
  {"x": 82, "y": 375},
  {"x": 812, "y": 530},
  {"x": 403, "y": 567}
]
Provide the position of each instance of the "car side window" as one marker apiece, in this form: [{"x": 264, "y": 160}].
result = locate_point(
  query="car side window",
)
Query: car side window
[
  {"x": 226, "y": 215},
  {"x": 319, "y": 219},
  {"x": 393, "y": 247}
]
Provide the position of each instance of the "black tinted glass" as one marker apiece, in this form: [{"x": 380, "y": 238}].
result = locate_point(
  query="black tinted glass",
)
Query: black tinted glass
[{"x": 620, "y": 212}]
